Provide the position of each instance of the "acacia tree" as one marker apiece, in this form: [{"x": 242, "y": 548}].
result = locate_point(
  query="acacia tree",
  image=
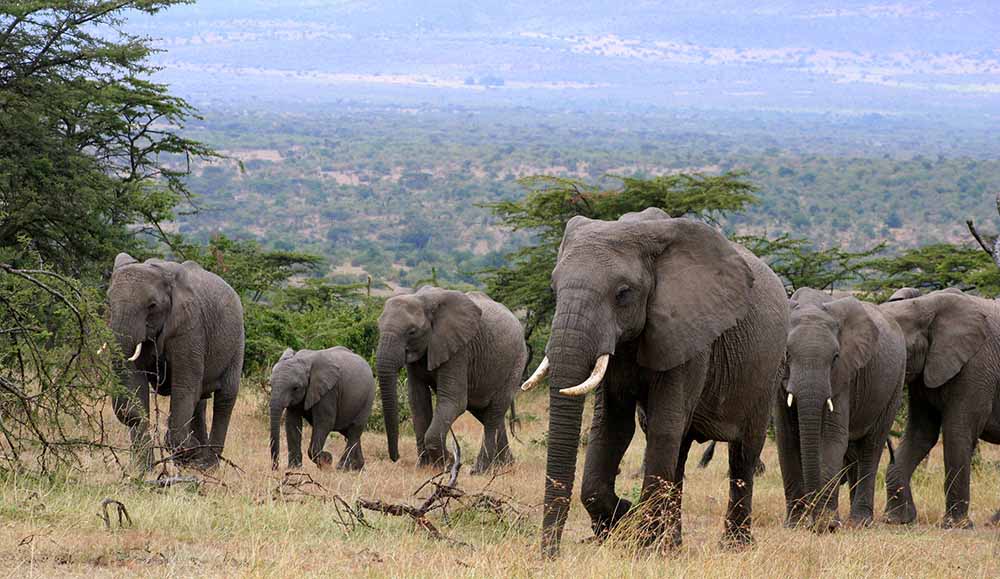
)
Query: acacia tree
[
  {"x": 523, "y": 283},
  {"x": 90, "y": 149},
  {"x": 799, "y": 264},
  {"x": 90, "y": 159}
]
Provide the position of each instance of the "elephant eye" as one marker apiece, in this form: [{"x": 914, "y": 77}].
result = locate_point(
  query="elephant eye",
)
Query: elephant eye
[
  {"x": 623, "y": 295},
  {"x": 412, "y": 332}
]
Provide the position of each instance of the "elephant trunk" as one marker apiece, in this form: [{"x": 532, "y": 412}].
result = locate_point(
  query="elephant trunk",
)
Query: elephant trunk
[
  {"x": 277, "y": 409},
  {"x": 389, "y": 361},
  {"x": 129, "y": 330},
  {"x": 573, "y": 351},
  {"x": 810, "y": 413}
]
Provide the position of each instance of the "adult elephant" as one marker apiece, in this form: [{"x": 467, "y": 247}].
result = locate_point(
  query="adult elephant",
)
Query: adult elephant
[
  {"x": 953, "y": 385},
  {"x": 333, "y": 390},
  {"x": 670, "y": 316},
  {"x": 466, "y": 348},
  {"x": 845, "y": 363},
  {"x": 183, "y": 329}
]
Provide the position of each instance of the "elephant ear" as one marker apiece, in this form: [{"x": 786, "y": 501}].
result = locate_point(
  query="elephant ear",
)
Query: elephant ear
[
  {"x": 858, "y": 336},
  {"x": 904, "y": 293},
  {"x": 123, "y": 259},
  {"x": 702, "y": 289},
  {"x": 454, "y": 322},
  {"x": 570, "y": 232},
  {"x": 808, "y": 296},
  {"x": 324, "y": 375},
  {"x": 957, "y": 331}
]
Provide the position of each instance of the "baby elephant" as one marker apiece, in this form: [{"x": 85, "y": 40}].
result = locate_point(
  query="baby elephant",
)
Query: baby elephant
[
  {"x": 845, "y": 369},
  {"x": 333, "y": 390}
]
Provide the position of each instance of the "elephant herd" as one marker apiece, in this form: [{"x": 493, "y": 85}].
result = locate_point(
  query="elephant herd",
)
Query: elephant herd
[{"x": 657, "y": 316}]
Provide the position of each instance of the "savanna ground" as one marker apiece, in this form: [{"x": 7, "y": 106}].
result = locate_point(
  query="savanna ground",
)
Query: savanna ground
[{"x": 49, "y": 526}]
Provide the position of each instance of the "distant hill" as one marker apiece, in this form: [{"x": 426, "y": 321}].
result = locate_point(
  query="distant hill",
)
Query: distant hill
[
  {"x": 844, "y": 55},
  {"x": 398, "y": 191}
]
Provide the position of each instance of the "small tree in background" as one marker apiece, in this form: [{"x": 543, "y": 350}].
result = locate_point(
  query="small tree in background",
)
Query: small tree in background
[
  {"x": 800, "y": 265},
  {"x": 523, "y": 284}
]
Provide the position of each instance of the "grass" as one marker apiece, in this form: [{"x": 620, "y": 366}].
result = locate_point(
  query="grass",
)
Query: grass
[{"x": 49, "y": 527}]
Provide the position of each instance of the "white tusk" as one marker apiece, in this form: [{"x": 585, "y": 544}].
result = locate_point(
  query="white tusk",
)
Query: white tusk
[
  {"x": 535, "y": 378},
  {"x": 138, "y": 350},
  {"x": 829, "y": 404},
  {"x": 593, "y": 381},
  {"x": 790, "y": 399}
]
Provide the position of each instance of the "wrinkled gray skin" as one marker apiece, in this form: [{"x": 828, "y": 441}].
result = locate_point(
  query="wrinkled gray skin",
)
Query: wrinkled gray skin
[
  {"x": 696, "y": 327},
  {"x": 333, "y": 390},
  {"x": 846, "y": 351},
  {"x": 953, "y": 388},
  {"x": 190, "y": 324},
  {"x": 468, "y": 350}
]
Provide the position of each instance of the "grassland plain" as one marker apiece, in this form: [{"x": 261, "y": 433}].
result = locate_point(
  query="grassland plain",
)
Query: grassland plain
[{"x": 49, "y": 527}]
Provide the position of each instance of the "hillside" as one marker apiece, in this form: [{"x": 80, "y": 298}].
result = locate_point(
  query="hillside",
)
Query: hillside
[{"x": 398, "y": 191}]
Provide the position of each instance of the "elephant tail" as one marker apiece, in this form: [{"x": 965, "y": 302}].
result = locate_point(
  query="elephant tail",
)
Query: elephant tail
[
  {"x": 892, "y": 452},
  {"x": 513, "y": 422},
  {"x": 707, "y": 456}
]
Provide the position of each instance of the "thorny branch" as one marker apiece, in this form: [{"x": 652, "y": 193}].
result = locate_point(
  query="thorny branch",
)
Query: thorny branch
[{"x": 123, "y": 516}]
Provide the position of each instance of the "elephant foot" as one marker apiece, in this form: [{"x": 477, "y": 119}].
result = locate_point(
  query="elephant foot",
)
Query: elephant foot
[
  {"x": 737, "y": 539},
  {"x": 901, "y": 513},
  {"x": 324, "y": 460},
  {"x": 960, "y": 523},
  {"x": 860, "y": 521},
  {"x": 828, "y": 522},
  {"x": 994, "y": 520},
  {"x": 604, "y": 523},
  {"x": 294, "y": 464}
]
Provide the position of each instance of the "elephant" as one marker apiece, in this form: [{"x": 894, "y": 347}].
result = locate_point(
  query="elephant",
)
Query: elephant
[
  {"x": 669, "y": 316},
  {"x": 467, "y": 349},
  {"x": 333, "y": 390},
  {"x": 183, "y": 327},
  {"x": 953, "y": 389},
  {"x": 845, "y": 370}
]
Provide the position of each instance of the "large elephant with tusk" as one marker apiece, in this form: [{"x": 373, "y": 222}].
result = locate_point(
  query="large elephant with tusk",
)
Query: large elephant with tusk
[
  {"x": 183, "y": 329},
  {"x": 669, "y": 316}
]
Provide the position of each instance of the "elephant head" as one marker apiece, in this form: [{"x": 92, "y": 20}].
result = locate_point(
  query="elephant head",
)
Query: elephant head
[
  {"x": 829, "y": 341},
  {"x": 431, "y": 324},
  {"x": 298, "y": 380},
  {"x": 145, "y": 303},
  {"x": 943, "y": 330},
  {"x": 666, "y": 287}
]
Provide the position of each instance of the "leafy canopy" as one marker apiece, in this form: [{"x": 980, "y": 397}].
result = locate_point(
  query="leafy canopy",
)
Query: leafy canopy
[
  {"x": 932, "y": 267},
  {"x": 90, "y": 150},
  {"x": 523, "y": 282},
  {"x": 799, "y": 264}
]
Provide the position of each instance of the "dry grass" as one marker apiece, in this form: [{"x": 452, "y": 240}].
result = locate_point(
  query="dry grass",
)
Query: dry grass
[{"x": 50, "y": 528}]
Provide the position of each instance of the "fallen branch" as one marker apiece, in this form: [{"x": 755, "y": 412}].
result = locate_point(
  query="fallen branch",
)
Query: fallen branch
[
  {"x": 169, "y": 481},
  {"x": 439, "y": 499},
  {"x": 123, "y": 515}
]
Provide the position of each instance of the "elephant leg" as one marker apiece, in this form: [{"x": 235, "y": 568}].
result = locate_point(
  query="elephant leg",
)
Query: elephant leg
[
  {"x": 611, "y": 431},
  {"x": 202, "y": 454},
  {"x": 922, "y": 427},
  {"x": 185, "y": 394},
  {"x": 222, "y": 410},
  {"x": 743, "y": 455},
  {"x": 452, "y": 401},
  {"x": 422, "y": 411},
  {"x": 958, "y": 446},
  {"x": 790, "y": 460},
  {"x": 320, "y": 432},
  {"x": 863, "y": 472},
  {"x": 833, "y": 469},
  {"x": 293, "y": 432},
  {"x": 132, "y": 410},
  {"x": 353, "y": 458},
  {"x": 494, "y": 451}
]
